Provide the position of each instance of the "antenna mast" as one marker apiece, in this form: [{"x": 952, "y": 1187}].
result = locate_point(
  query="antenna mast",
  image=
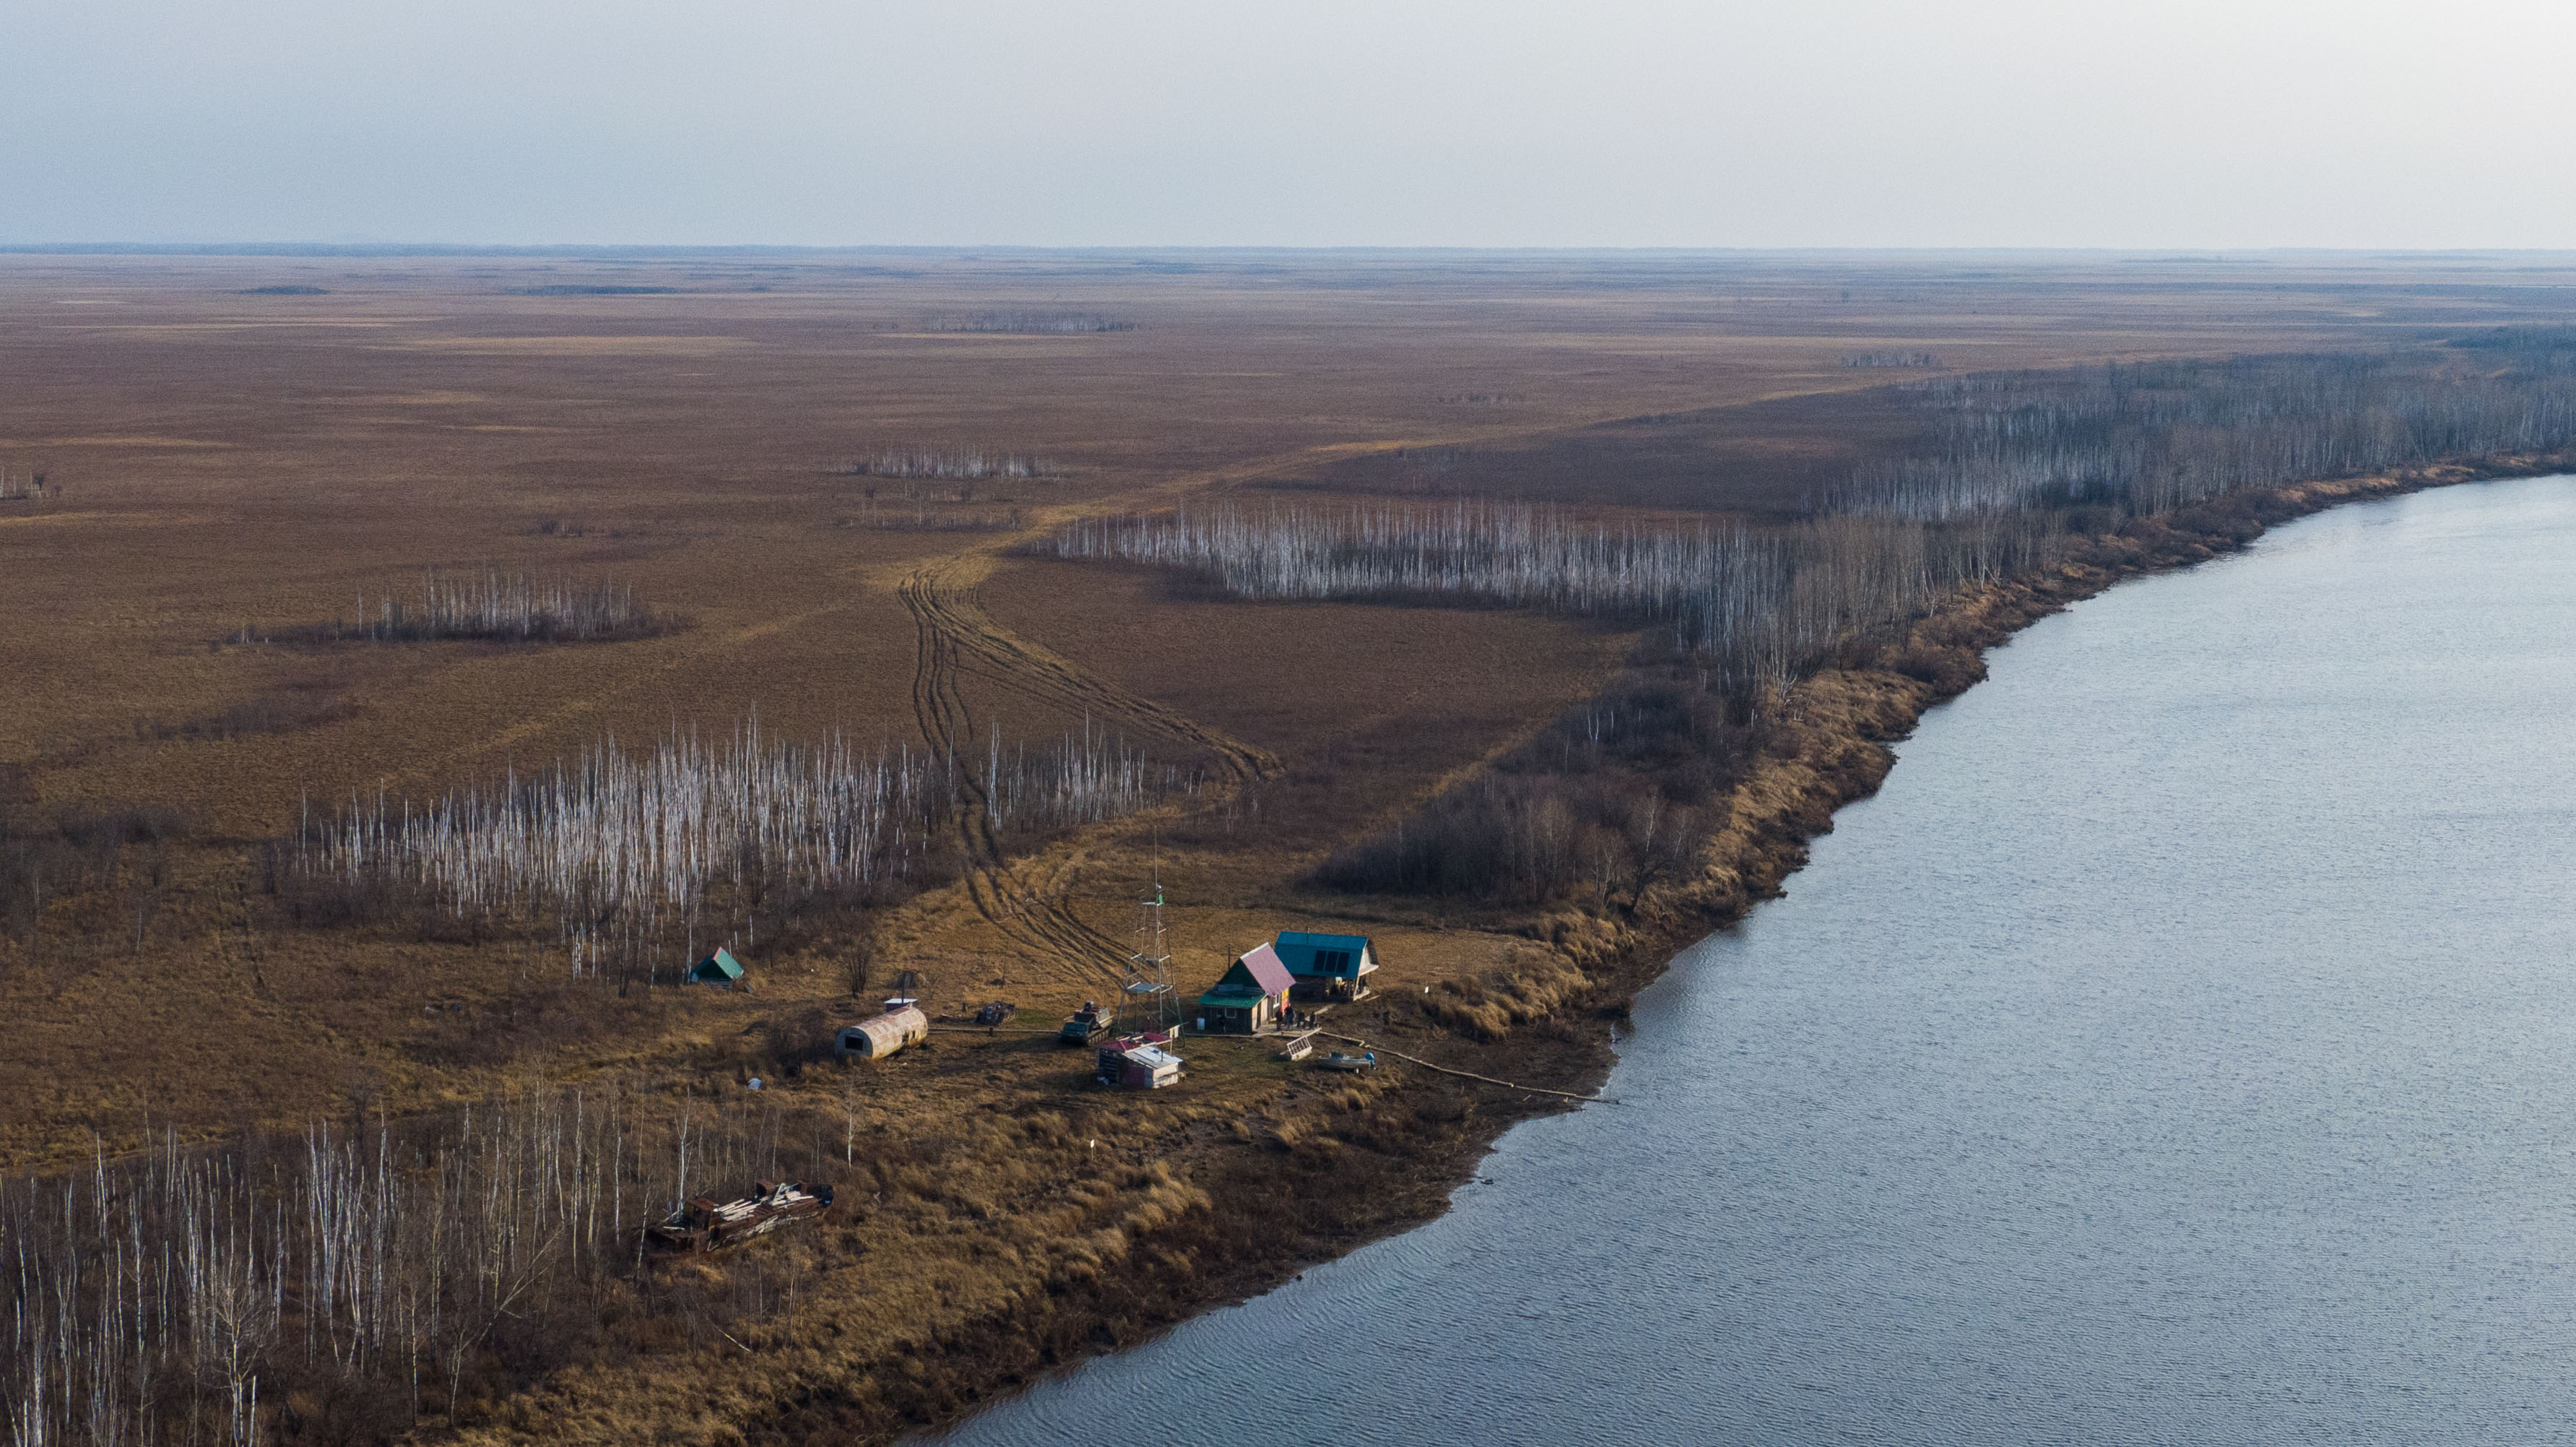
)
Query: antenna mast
[{"x": 1148, "y": 1003}]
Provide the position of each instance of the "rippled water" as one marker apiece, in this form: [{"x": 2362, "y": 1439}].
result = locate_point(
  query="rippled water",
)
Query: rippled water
[{"x": 2182, "y": 1048}]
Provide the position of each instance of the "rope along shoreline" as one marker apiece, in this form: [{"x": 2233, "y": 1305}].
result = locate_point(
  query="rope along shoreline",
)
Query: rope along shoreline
[{"x": 1469, "y": 1074}]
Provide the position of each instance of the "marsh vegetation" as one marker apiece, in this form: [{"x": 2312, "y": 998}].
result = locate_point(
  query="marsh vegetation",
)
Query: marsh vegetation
[{"x": 98, "y": 871}]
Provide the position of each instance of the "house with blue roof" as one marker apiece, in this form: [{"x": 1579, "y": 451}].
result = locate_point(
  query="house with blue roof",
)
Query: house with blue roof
[{"x": 1327, "y": 967}]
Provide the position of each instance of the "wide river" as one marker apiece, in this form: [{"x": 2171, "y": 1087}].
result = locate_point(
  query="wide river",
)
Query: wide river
[{"x": 2181, "y": 1049}]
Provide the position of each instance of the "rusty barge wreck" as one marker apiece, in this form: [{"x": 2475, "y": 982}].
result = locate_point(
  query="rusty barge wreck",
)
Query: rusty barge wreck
[{"x": 703, "y": 1224}]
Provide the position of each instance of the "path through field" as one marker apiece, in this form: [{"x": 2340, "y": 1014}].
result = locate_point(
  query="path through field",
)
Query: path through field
[{"x": 1025, "y": 898}]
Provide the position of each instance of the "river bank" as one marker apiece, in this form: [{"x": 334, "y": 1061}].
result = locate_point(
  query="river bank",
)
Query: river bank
[
  {"x": 2175, "y": 1049},
  {"x": 1220, "y": 1208}
]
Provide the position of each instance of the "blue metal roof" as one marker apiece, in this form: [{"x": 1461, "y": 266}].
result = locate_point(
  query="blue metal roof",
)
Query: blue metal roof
[{"x": 1298, "y": 948}]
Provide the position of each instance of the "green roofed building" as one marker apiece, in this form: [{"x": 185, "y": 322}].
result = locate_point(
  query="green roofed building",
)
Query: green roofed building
[
  {"x": 720, "y": 968},
  {"x": 1249, "y": 997}
]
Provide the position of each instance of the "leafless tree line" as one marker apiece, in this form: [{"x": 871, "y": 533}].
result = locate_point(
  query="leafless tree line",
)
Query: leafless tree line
[
  {"x": 2023, "y": 456},
  {"x": 1082, "y": 779},
  {"x": 972, "y": 464},
  {"x": 2154, "y": 437},
  {"x": 1610, "y": 796},
  {"x": 515, "y": 609},
  {"x": 229, "y": 1294},
  {"x": 1762, "y": 602},
  {"x": 631, "y": 853}
]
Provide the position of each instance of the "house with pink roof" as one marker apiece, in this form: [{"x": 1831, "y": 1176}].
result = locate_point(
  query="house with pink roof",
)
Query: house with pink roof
[{"x": 1250, "y": 997}]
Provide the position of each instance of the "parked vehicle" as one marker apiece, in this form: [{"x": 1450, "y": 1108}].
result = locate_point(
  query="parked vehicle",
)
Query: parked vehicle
[{"x": 1084, "y": 1026}]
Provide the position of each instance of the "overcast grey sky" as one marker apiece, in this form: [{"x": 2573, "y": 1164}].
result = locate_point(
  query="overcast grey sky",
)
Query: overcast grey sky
[{"x": 2188, "y": 123}]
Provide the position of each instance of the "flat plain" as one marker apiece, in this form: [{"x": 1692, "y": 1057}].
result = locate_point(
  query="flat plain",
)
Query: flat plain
[{"x": 237, "y": 448}]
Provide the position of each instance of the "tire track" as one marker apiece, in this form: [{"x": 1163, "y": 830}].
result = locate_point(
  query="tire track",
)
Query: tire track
[
  {"x": 1026, "y": 899},
  {"x": 942, "y": 598},
  {"x": 1023, "y": 899}
]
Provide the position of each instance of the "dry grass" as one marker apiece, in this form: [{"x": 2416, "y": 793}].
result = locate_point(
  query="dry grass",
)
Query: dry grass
[{"x": 217, "y": 459}]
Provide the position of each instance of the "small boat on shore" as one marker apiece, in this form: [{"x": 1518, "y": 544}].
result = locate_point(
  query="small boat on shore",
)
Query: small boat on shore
[
  {"x": 705, "y": 1224},
  {"x": 1339, "y": 1061}
]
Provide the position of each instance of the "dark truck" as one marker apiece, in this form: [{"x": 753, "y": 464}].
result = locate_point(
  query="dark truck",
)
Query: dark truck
[{"x": 1084, "y": 1026}]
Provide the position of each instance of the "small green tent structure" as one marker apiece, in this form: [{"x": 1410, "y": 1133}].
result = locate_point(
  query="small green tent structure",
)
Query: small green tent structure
[{"x": 720, "y": 968}]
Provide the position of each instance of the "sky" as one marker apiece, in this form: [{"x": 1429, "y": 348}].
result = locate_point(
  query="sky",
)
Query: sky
[{"x": 2186, "y": 124}]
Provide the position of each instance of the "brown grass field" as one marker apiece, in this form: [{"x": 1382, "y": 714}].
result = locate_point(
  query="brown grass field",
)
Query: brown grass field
[{"x": 226, "y": 464}]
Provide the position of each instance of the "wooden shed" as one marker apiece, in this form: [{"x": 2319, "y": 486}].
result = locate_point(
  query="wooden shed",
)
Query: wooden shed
[
  {"x": 882, "y": 1035},
  {"x": 1249, "y": 997},
  {"x": 1327, "y": 967},
  {"x": 720, "y": 969}
]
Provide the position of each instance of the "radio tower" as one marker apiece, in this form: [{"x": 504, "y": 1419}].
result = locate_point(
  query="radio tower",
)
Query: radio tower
[{"x": 1147, "y": 1003}]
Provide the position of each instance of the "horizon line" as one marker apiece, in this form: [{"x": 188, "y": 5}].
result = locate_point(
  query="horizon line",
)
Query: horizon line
[{"x": 288, "y": 249}]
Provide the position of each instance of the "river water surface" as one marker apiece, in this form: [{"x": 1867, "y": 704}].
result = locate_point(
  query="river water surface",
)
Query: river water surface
[{"x": 2181, "y": 1048}]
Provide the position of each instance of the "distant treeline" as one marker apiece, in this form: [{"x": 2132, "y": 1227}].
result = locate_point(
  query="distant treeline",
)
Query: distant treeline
[
  {"x": 2027, "y": 464},
  {"x": 949, "y": 463},
  {"x": 2024, "y": 457},
  {"x": 493, "y": 608},
  {"x": 2147, "y": 438},
  {"x": 1758, "y": 604},
  {"x": 576, "y": 289},
  {"x": 1035, "y": 322}
]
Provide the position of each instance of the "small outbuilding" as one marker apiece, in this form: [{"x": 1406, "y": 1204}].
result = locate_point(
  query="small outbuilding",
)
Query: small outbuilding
[
  {"x": 1250, "y": 997},
  {"x": 882, "y": 1035},
  {"x": 1327, "y": 967},
  {"x": 1148, "y": 1067},
  {"x": 720, "y": 969}
]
